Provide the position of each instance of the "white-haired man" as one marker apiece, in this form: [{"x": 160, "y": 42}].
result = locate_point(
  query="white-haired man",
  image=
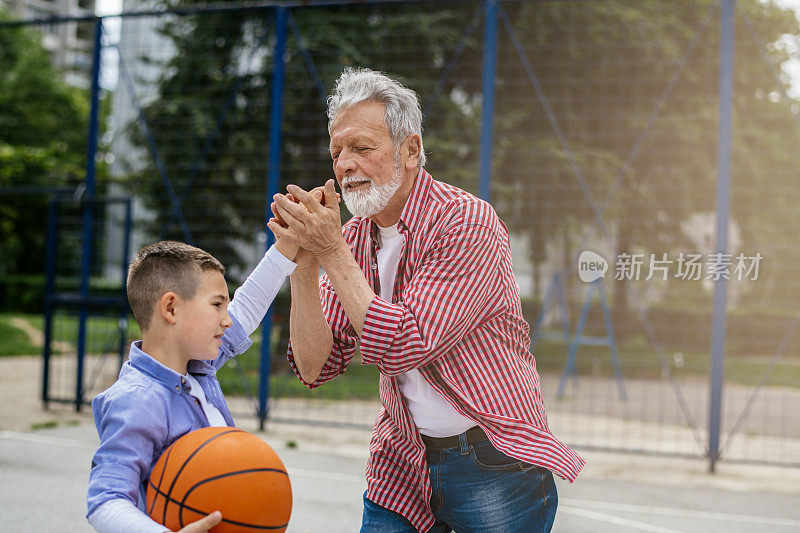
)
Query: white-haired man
[{"x": 421, "y": 279}]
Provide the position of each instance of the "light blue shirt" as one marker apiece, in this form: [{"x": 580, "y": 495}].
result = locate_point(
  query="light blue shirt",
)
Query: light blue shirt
[{"x": 147, "y": 409}]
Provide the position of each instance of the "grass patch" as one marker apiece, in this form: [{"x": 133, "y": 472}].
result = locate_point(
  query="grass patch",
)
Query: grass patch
[
  {"x": 639, "y": 360},
  {"x": 14, "y": 341},
  {"x": 100, "y": 330},
  {"x": 44, "y": 425},
  {"x": 102, "y": 333},
  {"x": 240, "y": 377}
]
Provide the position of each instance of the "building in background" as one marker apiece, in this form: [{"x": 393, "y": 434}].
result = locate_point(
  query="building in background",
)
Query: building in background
[
  {"x": 132, "y": 59},
  {"x": 70, "y": 44}
]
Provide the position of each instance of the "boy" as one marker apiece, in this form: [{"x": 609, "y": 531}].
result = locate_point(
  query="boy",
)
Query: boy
[{"x": 168, "y": 387}]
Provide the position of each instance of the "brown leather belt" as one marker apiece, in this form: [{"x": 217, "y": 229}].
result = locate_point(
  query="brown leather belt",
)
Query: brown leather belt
[{"x": 474, "y": 436}]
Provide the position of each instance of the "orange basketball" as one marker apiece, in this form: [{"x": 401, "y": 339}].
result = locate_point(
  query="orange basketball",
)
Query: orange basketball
[{"x": 220, "y": 469}]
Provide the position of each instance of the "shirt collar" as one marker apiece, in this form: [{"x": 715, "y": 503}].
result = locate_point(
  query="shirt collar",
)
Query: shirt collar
[
  {"x": 411, "y": 216},
  {"x": 144, "y": 362}
]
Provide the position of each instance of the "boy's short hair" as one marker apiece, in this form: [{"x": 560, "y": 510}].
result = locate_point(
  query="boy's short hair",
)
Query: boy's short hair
[{"x": 165, "y": 266}]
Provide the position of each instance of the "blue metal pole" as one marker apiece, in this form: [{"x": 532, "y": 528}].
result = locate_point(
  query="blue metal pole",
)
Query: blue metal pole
[
  {"x": 487, "y": 127},
  {"x": 274, "y": 177},
  {"x": 88, "y": 212},
  {"x": 723, "y": 205},
  {"x": 49, "y": 310},
  {"x": 124, "y": 263}
]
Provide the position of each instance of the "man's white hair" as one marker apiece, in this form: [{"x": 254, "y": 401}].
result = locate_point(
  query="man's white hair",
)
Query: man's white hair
[{"x": 403, "y": 111}]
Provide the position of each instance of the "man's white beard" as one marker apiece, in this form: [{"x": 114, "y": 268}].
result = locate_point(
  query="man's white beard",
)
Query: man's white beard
[{"x": 373, "y": 200}]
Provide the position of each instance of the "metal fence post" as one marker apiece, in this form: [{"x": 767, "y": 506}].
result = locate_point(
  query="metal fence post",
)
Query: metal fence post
[
  {"x": 275, "y": 131},
  {"x": 723, "y": 206},
  {"x": 124, "y": 263},
  {"x": 487, "y": 127},
  {"x": 88, "y": 206},
  {"x": 50, "y": 287}
]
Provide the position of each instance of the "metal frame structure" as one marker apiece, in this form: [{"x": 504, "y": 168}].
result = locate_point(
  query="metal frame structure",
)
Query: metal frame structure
[
  {"x": 492, "y": 14},
  {"x": 83, "y": 302}
]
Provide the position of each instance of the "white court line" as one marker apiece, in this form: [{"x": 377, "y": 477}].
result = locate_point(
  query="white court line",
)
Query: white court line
[
  {"x": 44, "y": 439},
  {"x": 687, "y": 513},
  {"x": 642, "y": 526}
]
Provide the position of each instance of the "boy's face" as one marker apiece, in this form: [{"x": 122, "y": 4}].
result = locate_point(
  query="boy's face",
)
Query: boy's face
[{"x": 203, "y": 319}]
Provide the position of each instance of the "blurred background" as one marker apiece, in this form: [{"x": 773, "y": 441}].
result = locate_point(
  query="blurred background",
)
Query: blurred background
[{"x": 662, "y": 137}]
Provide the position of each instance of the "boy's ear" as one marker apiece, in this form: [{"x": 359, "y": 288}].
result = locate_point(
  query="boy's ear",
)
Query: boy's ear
[{"x": 166, "y": 306}]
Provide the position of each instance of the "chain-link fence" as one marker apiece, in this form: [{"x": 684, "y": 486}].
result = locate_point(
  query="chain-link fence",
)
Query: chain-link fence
[{"x": 642, "y": 153}]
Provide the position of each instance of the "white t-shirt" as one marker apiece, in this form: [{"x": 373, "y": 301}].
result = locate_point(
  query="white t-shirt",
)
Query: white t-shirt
[
  {"x": 433, "y": 415},
  {"x": 215, "y": 418}
]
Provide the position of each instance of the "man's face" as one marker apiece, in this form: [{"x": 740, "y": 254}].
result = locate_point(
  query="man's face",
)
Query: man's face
[
  {"x": 365, "y": 162},
  {"x": 204, "y": 318}
]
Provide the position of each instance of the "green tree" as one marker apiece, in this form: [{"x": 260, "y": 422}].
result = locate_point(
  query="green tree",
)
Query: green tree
[
  {"x": 223, "y": 67},
  {"x": 603, "y": 66},
  {"x": 43, "y": 124}
]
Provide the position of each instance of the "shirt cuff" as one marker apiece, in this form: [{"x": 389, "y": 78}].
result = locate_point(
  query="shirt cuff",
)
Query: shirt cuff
[
  {"x": 285, "y": 264},
  {"x": 121, "y": 516},
  {"x": 235, "y": 340},
  {"x": 381, "y": 325}
]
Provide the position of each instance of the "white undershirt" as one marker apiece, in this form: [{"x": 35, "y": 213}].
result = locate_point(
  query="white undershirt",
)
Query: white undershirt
[
  {"x": 433, "y": 415},
  {"x": 249, "y": 305},
  {"x": 214, "y": 417}
]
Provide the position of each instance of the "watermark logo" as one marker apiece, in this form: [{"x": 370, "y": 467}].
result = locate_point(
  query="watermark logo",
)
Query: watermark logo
[
  {"x": 686, "y": 266},
  {"x": 591, "y": 266}
]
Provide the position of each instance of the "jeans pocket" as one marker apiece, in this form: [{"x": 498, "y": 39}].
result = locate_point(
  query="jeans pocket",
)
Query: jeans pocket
[{"x": 488, "y": 457}]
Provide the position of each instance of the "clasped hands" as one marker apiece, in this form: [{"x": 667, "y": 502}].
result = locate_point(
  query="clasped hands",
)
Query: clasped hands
[{"x": 309, "y": 219}]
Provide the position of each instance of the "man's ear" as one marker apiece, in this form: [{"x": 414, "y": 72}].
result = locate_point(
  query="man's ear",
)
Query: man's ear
[
  {"x": 413, "y": 149},
  {"x": 167, "y": 305}
]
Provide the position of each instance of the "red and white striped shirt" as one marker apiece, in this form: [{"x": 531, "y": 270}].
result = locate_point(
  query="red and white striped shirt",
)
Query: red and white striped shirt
[{"x": 456, "y": 316}]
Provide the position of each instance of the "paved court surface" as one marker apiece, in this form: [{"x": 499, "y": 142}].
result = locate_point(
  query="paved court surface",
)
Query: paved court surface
[{"x": 43, "y": 476}]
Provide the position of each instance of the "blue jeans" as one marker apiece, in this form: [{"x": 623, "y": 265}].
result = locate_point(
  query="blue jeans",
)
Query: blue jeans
[{"x": 477, "y": 488}]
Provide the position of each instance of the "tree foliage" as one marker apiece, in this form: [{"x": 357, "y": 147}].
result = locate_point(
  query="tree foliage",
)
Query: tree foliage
[
  {"x": 43, "y": 124},
  {"x": 603, "y": 66},
  {"x": 210, "y": 119}
]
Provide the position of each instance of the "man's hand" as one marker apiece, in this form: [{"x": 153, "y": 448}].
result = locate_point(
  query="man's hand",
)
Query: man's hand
[
  {"x": 309, "y": 224},
  {"x": 204, "y": 524},
  {"x": 317, "y": 192}
]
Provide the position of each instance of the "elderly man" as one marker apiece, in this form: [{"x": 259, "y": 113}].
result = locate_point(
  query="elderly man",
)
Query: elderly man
[{"x": 421, "y": 279}]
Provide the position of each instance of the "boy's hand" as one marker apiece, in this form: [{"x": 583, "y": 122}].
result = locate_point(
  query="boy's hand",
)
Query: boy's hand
[
  {"x": 276, "y": 216},
  {"x": 204, "y": 524},
  {"x": 284, "y": 246},
  {"x": 287, "y": 248}
]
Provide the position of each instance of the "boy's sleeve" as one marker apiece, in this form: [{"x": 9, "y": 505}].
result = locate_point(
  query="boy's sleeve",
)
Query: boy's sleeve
[
  {"x": 121, "y": 516},
  {"x": 131, "y": 428},
  {"x": 253, "y": 298},
  {"x": 235, "y": 341}
]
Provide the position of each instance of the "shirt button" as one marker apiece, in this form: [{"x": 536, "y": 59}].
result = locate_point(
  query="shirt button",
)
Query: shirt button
[
  {"x": 177, "y": 387},
  {"x": 374, "y": 265}
]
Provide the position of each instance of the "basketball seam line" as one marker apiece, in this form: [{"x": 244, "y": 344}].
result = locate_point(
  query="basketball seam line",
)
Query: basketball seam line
[
  {"x": 228, "y": 474},
  {"x": 186, "y": 462},
  {"x": 161, "y": 479},
  {"x": 233, "y": 522}
]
